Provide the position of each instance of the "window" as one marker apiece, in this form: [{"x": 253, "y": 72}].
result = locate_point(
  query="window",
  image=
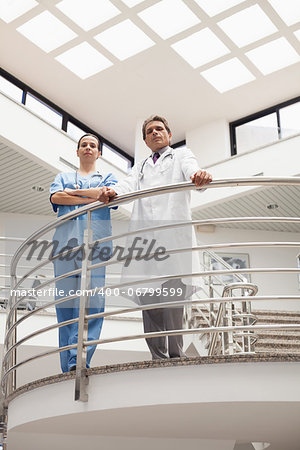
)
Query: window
[
  {"x": 257, "y": 133},
  {"x": 290, "y": 120},
  {"x": 265, "y": 127},
  {"x": 53, "y": 114},
  {"x": 74, "y": 131},
  {"x": 10, "y": 89},
  {"x": 43, "y": 110},
  {"x": 114, "y": 158},
  {"x": 181, "y": 144}
]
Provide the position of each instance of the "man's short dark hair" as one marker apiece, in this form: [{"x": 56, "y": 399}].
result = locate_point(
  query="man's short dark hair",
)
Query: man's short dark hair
[{"x": 155, "y": 118}]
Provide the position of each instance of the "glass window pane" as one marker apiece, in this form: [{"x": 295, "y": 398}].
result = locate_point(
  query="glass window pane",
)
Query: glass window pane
[
  {"x": 74, "y": 131},
  {"x": 290, "y": 120},
  {"x": 11, "y": 89},
  {"x": 114, "y": 158},
  {"x": 183, "y": 146},
  {"x": 257, "y": 133},
  {"x": 43, "y": 110}
]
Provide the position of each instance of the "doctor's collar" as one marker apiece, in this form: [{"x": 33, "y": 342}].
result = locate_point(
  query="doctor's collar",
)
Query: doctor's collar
[{"x": 160, "y": 151}]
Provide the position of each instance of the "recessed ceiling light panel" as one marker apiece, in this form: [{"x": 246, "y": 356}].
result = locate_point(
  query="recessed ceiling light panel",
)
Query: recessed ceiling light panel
[
  {"x": 131, "y": 3},
  {"x": 273, "y": 56},
  {"x": 124, "y": 40},
  {"x": 247, "y": 26},
  {"x": 10, "y": 10},
  {"x": 228, "y": 75},
  {"x": 46, "y": 31},
  {"x": 288, "y": 10},
  {"x": 169, "y": 17},
  {"x": 84, "y": 60},
  {"x": 88, "y": 14},
  {"x": 214, "y": 7},
  {"x": 200, "y": 48}
]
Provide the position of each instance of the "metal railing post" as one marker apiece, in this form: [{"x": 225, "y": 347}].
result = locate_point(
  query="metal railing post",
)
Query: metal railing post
[
  {"x": 81, "y": 380},
  {"x": 229, "y": 323},
  {"x": 11, "y": 382}
]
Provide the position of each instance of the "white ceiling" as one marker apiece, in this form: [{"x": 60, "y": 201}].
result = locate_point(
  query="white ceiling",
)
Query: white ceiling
[
  {"x": 254, "y": 204},
  {"x": 156, "y": 80}
]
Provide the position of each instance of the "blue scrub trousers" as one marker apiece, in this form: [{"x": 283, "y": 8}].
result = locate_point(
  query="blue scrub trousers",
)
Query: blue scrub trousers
[{"x": 68, "y": 334}]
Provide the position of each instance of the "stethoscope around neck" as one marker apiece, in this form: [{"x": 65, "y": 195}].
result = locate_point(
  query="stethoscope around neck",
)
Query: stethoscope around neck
[
  {"x": 97, "y": 174},
  {"x": 141, "y": 173}
]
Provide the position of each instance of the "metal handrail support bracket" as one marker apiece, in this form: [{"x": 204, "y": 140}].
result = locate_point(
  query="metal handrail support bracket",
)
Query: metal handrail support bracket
[
  {"x": 81, "y": 380},
  {"x": 214, "y": 337},
  {"x": 225, "y": 310},
  {"x": 229, "y": 323},
  {"x": 247, "y": 290}
]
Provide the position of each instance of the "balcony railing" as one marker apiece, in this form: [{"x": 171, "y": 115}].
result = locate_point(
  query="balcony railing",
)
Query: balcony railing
[{"x": 231, "y": 323}]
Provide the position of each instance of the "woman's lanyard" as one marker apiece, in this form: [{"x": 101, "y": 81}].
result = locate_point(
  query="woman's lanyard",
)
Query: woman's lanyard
[{"x": 76, "y": 185}]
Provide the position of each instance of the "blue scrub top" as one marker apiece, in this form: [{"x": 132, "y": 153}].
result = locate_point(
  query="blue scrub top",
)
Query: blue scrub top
[{"x": 72, "y": 230}]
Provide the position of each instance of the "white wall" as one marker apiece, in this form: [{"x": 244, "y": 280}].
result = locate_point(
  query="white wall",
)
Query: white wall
[
  {"x": 255, "y": 402},
  {"x": 210, "y": 143}
]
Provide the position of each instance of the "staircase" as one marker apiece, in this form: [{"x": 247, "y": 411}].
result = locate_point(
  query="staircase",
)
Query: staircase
[
  {"x": 273, "y": 341},
  {"x": 277, "y": 342}
]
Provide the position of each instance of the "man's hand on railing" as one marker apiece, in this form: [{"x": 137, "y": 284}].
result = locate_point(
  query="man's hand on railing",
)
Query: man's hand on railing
[
  {"x": 108, "y": 194},
  {"x": 201, "y": 177}
]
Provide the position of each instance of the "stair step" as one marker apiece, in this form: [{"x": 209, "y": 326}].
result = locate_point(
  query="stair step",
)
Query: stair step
[
  {"x": 276, "y": 313},
  {"x": 278, "y": 334},
  {"x": 277, "y": 343},
  {"x": 278, "y": 319},
  {"x": 272, "y": 342},
  {"x": 277, "y": 351}
]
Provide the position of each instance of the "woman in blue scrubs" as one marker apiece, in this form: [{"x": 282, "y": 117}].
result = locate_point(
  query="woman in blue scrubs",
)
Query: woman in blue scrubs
[{"x": 68, "y": 192}]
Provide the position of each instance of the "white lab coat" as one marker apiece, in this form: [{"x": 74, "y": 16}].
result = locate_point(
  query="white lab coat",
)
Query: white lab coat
[{"x": 173, "y": 166}]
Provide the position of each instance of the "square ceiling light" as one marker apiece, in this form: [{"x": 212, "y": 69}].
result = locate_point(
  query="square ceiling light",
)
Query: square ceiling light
[
  {"x": 247, "y": 26},
  {"x": 10, "y": 10},
  {"x": 214, "y": 7},
  {"x": 132, "y": 3},
  {"x": 273, "y": 56},
  {"x": 228, "y": 75},
  {"x": 46, "y": 31},
  {"x": 288, "y": 10},
  {"x": 88, "y": 13},
  {"x": 124, "y": 40},
  {"x": 169, "y": 17},
  {"x": 200, "y": 48},
  {"x": 84, "y": 60}
]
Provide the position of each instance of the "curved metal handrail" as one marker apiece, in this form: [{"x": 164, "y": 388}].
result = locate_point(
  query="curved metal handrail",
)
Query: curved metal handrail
[
  {"x": 216, "y": 221},
  {"x": 205, "y": 273},
  {"x": 166, "y": 189}
]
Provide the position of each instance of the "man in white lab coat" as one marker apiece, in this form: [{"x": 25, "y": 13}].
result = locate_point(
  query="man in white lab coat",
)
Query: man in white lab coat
[{"x": 164, "y": 166}]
